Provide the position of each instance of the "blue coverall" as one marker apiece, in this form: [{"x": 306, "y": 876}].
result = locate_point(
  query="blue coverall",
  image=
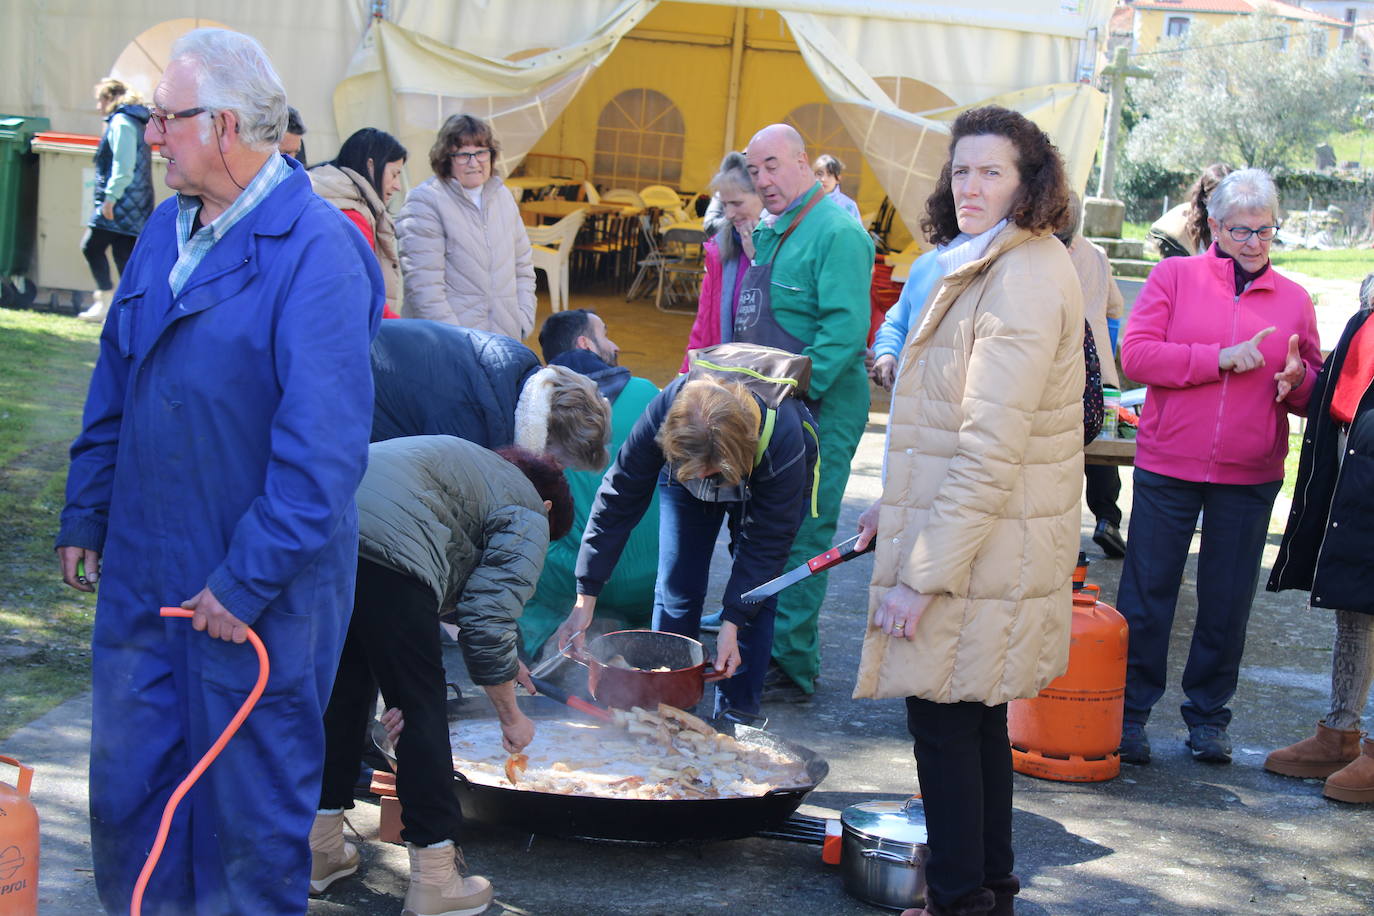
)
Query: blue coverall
[{"x": 224, "y": 435}]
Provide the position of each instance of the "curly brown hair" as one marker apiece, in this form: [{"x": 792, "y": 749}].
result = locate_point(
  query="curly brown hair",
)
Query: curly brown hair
[
  {"x": 458, "y": 131},
  {"x": 543, "y": 471},
  {"x": 1042, "y": 206},
  {"x": 1198, "y": 196}
]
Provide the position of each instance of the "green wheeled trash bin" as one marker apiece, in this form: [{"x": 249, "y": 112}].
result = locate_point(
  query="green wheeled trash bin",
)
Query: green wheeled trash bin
[{"x": 18, "y": 200}]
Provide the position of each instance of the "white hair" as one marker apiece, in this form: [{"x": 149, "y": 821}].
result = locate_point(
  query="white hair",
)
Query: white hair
[
  {"x": 1245, "y": 189},
  {"x": 234, "y": 74}
]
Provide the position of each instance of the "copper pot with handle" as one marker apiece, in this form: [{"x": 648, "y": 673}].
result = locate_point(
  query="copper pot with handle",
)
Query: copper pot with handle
[{"x": 628, "y": 668}]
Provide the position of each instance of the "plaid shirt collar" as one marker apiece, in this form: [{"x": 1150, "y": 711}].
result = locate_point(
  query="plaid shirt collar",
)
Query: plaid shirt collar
[{"x": 194, "y": 244}]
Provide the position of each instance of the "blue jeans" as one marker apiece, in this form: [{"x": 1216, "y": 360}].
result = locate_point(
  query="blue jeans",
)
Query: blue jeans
[
  {"x": 687, "y": 531},
  {"x": 1235, "y": 522}
]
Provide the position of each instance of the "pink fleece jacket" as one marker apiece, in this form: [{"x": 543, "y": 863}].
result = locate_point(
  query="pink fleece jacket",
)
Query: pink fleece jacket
[
  {"x": 706, "y": 326},
  {"x": 1200, "y": 423}
]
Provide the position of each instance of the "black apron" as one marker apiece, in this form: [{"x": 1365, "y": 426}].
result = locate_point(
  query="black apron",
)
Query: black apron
[{"x": 754, "y": 321}]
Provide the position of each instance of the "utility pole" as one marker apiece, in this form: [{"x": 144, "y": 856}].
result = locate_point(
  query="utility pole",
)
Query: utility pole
[{"x": 1120, "y": 70}]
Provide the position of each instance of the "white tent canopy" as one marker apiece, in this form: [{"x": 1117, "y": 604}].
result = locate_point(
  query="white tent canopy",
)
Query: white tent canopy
[
  {"x": 523, "y": 63},
  {"x": 1023, "y": 55}
]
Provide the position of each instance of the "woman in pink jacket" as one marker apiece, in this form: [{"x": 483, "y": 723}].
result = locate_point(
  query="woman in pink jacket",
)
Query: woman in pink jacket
[
  {"x": 728, "y": 254},
  {"x": 1228, "y": 348}
]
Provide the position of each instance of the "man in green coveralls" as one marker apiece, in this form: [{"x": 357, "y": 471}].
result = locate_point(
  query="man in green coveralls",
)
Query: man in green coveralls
[
  {"x": 577, "y": 339},
  {"x": 808, "y": 292}
]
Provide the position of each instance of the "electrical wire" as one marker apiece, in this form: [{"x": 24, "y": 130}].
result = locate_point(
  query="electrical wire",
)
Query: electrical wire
[
  {"x": 1223, "y": 44},
  {"x": 136, "y": 904}
]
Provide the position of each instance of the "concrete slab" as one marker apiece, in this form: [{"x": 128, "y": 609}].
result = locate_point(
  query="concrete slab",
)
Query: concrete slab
[{"x": 1176, "y": 837}]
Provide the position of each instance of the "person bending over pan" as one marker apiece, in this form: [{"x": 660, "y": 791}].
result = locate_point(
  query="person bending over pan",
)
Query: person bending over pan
[
  {"x": 699, "y": 442},
  {"x": 442, "y": 523}
]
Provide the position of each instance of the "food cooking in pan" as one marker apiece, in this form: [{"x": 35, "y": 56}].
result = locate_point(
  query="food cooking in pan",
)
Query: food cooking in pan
[{"x": 643, "y": 754}]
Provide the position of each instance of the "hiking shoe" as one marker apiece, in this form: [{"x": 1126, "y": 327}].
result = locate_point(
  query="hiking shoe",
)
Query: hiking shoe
[
  {"x": 778, "y": 687},
  {"x": 1135, "y": 746},
  {"x": 438, "y": 886},
  {"x": 711, "y": 622},
  {"x": 1209, "y": 743},
  {"x": 331, "y": 856},
  {"x": 1108, "y": 536}
]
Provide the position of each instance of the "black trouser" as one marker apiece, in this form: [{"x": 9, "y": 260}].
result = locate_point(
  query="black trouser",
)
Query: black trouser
[
  {"x": 963, "y": 759},
  {"x": 1103, "y": 490},
  {"x": 393, "y": 642},
  {"x": 93, "y": 245}
]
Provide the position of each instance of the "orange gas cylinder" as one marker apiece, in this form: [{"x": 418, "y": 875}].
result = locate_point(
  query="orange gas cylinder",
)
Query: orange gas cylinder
[
  {"x": 1072, "y": 730},
  {"x": 18, "y": 845}
]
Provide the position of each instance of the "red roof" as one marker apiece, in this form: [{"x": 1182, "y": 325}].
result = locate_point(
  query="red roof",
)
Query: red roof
[{"x": 1238, "y": 7}]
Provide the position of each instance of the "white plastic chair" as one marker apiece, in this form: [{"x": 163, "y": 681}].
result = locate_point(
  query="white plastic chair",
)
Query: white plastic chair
[
  {"x": 660, "y": 196},
  {"x": 551, "y": 247},
  {"x": 623, "y": 196},
  {"x": 589, "y": 190}
]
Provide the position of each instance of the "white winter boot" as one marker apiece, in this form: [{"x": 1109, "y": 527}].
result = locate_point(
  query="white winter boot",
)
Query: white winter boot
[{"x": 100, "y": 304}]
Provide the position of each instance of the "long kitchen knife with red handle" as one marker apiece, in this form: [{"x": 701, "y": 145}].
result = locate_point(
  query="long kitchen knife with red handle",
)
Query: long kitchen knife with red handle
[{"x": 840, "y": 553}]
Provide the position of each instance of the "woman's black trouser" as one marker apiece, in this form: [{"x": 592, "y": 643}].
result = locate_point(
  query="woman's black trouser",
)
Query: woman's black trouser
[
  {"x": 93, "y": 245},
  {"x": 393, "y": 642},
  {"x": 963, "y": 759}
]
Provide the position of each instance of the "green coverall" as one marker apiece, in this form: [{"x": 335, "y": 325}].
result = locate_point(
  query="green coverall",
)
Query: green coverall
[
  {"x": 820, "y": 294},
  {"x": 629, "y": 595}
]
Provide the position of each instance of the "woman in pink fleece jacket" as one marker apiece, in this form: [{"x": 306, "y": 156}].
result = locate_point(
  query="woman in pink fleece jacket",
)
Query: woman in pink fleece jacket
[
  {"x": 727, "y": 254},
  {"x": 1228, "y": 348}
]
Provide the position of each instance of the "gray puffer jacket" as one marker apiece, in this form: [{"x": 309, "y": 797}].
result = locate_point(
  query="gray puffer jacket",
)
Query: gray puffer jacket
[{"x": 468, "y": 524}]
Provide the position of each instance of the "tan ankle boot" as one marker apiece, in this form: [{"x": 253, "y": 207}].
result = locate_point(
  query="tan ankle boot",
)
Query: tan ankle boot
[
  {"x": 331, "y": 856},
  {"x": 1316, "y": 757},
  {"x": 1355, "y": 781},
  {"x": 438, "y": 887}
]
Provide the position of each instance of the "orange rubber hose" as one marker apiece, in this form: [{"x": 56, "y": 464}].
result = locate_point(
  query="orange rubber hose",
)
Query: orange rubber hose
[{"x": 136, "y": 905}]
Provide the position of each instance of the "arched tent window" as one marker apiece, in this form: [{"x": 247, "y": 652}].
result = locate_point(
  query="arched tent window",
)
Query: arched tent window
[
  {"x": 913, "y": 95},
  {"x": 823, "y": 132},
  {"x": 639, "y": 141},
  {"x": 142, "y": 61}
]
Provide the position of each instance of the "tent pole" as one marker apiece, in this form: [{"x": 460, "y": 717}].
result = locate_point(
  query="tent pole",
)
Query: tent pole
[{"x": 736, "y": 66}]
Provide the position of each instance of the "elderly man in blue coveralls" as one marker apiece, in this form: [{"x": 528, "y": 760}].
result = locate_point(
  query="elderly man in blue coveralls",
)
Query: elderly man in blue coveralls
[{"x": 224, "y": 435}]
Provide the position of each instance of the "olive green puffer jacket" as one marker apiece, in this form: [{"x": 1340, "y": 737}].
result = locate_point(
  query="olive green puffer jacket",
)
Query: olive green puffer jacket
[{"x": 468, "y": 524}]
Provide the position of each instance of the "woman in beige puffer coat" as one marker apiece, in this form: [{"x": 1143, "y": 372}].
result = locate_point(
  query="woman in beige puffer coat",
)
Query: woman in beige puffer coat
[
  {"x": 465, "y": 255},
  {"x": 978, "y": 523}
]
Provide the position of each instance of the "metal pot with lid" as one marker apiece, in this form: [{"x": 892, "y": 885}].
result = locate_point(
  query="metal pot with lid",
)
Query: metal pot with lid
[{"x": 884, "y": 852}]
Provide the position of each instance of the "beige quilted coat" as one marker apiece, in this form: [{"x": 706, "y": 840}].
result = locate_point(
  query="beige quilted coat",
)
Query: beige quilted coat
[
  {"x": 984, "y": 472},
  {"x": 464, "y": 266}
]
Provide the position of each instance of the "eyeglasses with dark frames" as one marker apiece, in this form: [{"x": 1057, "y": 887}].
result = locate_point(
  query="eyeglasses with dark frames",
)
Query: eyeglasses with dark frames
[
  {"x": 160, "y": 117},
  {"x": 482, "y": 155},
  {"x": 1242, "y": 233}
]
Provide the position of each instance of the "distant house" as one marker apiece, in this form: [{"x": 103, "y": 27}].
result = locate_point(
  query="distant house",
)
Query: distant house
[
  {"x": 1357, "y": 18},
  {"x": 1143, "y": 24}
]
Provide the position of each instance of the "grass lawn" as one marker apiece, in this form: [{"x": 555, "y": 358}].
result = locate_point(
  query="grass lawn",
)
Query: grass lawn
[
  {"x": 45, "y": 627},
  {"x": 1337, "y": 264}
]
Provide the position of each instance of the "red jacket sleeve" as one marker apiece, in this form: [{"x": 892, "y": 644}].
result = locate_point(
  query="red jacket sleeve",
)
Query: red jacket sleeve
[{"x": 361, "y": 222}]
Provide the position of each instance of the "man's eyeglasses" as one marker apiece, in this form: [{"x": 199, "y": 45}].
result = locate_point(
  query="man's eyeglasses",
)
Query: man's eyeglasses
[
  {"x": 160, "y": 117},
  {"x": 482, "y": 155},
  {"x": 1243, "y": 233}
]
